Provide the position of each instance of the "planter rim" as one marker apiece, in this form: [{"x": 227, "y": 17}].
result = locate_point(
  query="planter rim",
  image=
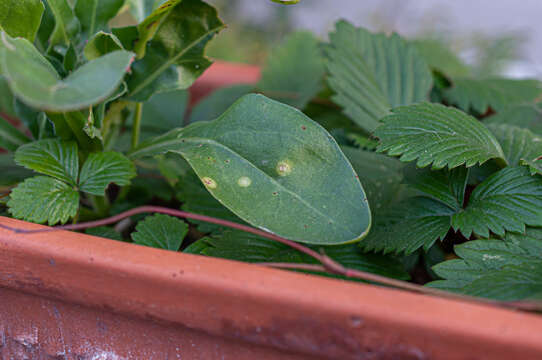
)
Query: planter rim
[{"x": 322, "y": 316}]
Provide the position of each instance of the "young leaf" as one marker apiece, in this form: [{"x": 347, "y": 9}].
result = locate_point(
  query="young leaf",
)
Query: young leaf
[
  {"x": 51, "y": 157},
  {"x": 446, "y": 186},
  {"x": 415, "y": 222},
  {"x": 439, "y": 56},
  {"x": 288, "y": 80},
  {"x": 21, "y": 18},
  {"x": 100, "y": 44},
  {"x": 373, "y": 73},
  {"x": 160, "y": 231},
  {"x": 172, "y": 61},
  {"x": 497, "y": 269},
  {"x": 104, "y": 168},
  {"x": 528, "y": 116},
  {"x": 535, "y": 166},
  {"x": 34, "y": 80},
  {"x": 43, "y": 199},
  {"x": 10, "y": 137},
  {"x": 517, "y": 143},
  {"x": 241, "y": 246},
  {"x": 438, "y": 135},
  {"x": 266, "y": 153},
  {"x": 217, "y": 102},
  {"x": 506, "y": 201},
  {"x": 67, "y": 25},
  {"x": 95, "y": 14},
  {"x": 499, "y": 93}
]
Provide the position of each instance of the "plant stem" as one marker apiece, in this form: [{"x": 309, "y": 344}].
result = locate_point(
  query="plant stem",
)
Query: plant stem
[{"x": 136, "y": 128}]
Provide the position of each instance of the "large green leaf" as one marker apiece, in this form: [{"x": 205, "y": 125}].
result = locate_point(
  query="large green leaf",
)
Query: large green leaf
[
  {"x": 421, "y": 220},
  {"x": 497, "y": 269},
  {"x": 528, "y": 116},
  {"x": 266, "y": 153},
  {"x": 104, "y": 168},
  {"x": 499, "y": 93},
  {"x": 517, "y": 143},
  {"x": 140, "y": 9},
  {"x": 175, "y": 55},
  {"x": 241, "y": 246},
  {"x": 43, "y": 199},
  {"x": 161, "y": 231},
  {"x": 21, "y": 18},
  {"x": 287, "y": 79},
  {"x": 67, "y": 25},
  {"x": 506, "y": 201},
  {"x": 34, "y": 80},
  {"x": 373, "y": 73},
  {"x": 51, "y": 157},
  {"x": 10, "y": 137},
  {"x": 438, "y": 135},
  {"x": 95, "y": 14}
]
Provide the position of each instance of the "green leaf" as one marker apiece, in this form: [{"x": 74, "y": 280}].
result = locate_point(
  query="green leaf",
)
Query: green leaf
[
  {"x": 21, "y": 18},
  {"x": 497, "y": 269},
  {"x": 95, "y": 14},
  {"x": 373, "y": 73},
  {"x": 140, "y": 9},
  {"x": 241, "y": 246},
  {"x": 172, "y": 61},
  {"x": 196, "y": 199},
  {"x": 67, "y": 25},
  {"x": 439, "y": 56},
  {"x": 517, "y": 143},
  {"x": 535, "y": 166},
  {"x": 43, "y": 199},
  {"x": 499, "y": 93},
  {"x": 11, "y": 172},
  {"x": 163, "y": 112},
  {"x": 150, "y": 25},
  {"x": 218, "y": 101},
  {"x": 445, "y": 186},
  {"x": 34, "y": 80},
  {"x": 528, "y": 116},
  {"x": 267, "y": 153},
  {"x": 160, "y": 231},
  {"x": 287, "y": 79},
  {"x": 414, "y": 223},
  {"x": 7, "y": 101},
  {"x": 422, "y": 219},
  {"x": 10, "y": 137},
  {"x": 506, "y": 201},
  {"x": 380, "y": 175},
  {"x": 438, "y": 135},
  {"x": 105, "y": 232},
  {"x": 101, "y": 44},
  {"x": 51, "y": 157},
  {"x": 104, "y": 168}
]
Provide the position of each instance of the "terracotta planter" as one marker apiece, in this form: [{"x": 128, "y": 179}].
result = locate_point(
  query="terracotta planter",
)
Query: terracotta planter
[{"x": 67, "y": 295}]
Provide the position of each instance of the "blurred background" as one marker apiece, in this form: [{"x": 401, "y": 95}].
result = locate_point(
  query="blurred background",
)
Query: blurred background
[{"x": 495, "y": 37}]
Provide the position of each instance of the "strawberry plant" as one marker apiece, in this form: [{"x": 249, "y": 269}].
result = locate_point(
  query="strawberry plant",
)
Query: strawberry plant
[{"x": 362, "y": 147}]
